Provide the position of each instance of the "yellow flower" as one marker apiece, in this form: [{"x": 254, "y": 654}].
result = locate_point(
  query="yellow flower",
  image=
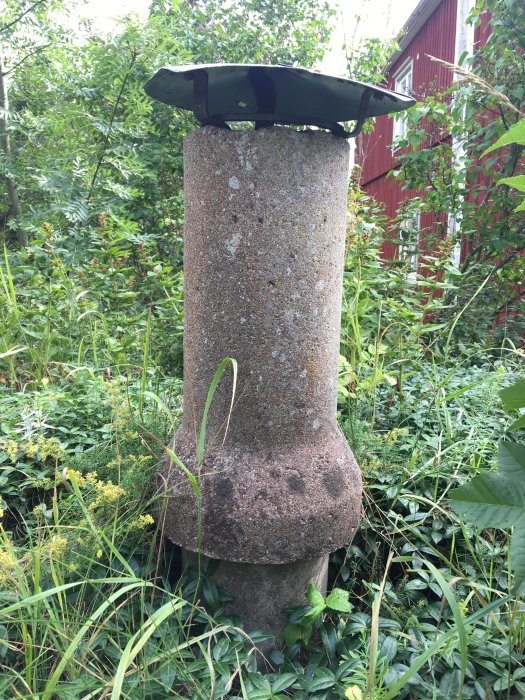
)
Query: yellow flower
[
  {"x": 8, "y": 563},
  {"x": 99, "y": 554},
  {"x": 393, "y": 435},
  {"x": 49, "y": 448},
  {"x": 42, "y": 448},
  {"x": 142, "y": 521},
  {"x": 30, "y": 448},
  {"x": 11, "y": 448},
  {"x": 108, "y": 492},
  {"x": 57, "y": 546},
  {"x": 44, "y": 483},
  {"x": 83, "y": 480},
  {"x": 354, "y": 693}
]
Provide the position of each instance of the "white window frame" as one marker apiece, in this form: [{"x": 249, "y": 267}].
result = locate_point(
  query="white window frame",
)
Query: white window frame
[
  {"x": 454, "y": 231},
  {"x": 403, "y": 83},
  {"x": 410, "y": 252}
]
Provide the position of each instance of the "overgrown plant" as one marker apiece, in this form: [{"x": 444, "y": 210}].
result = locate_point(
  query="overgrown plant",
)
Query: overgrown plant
[
  {"x": 497, "y": 499},
  {"x": 386, "y": 325},
  {"x": 449, "y": 156}
]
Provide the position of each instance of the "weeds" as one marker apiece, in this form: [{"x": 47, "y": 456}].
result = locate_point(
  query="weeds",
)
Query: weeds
[{"x": 92, "y": 604}]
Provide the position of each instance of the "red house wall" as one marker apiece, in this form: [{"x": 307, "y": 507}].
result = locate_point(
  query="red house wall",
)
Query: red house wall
[
  {"x": 436, "y": 38},
  {"x": 389, "y": 192}
]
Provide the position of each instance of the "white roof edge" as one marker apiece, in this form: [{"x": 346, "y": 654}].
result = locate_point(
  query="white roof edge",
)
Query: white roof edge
[{"x": 412, "y": 26}]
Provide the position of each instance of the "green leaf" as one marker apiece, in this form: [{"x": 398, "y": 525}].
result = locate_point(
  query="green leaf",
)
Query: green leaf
[
  {"x": 512, "y": 461},
  {"x": 276, "y": 657},
  {"x": 259, "y": 695},
  {"x": 311, "y": 616},
  {"x": 513, "y": 396},
  {"x": 191, "y": 478},
  {"x": 498, "y": 500},
  {"x": 518, "y": 423},
  {"x": 517, "y": 182},
  {"x": 284, "y": 681},
  {"x": 338, "y": 600},
  {"x": 291, "y": 633},
  {"x": 314, "y": 596},
  {"x": 516, "y": 134},
  {"x": 323, "y": 678},
  {"x": 450, "y": 684},
  {"x": 260, "y": 683},
  {"x": 490, "y": 500}
]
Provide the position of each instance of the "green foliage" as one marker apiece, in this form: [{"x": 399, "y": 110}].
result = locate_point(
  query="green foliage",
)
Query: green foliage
[
  {"x": 91, "y": 319},
  {"x": 497, "y": 499},
  {"x": 367, "y": 58},
  {"x": 388, "y": 317},
  {"x": 445, "y": 427},
  {"x": 304, "y": 620},
  {"x": 447, "y": 158},
  {"x": 514, "y": 136},
  {"x": 512, "y": 398},
  {"x": 88, "y": 142},
  {"x": 91, "y": 324}
]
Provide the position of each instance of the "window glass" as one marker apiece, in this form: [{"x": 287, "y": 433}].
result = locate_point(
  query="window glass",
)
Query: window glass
[{"x": 404, "y": 85}]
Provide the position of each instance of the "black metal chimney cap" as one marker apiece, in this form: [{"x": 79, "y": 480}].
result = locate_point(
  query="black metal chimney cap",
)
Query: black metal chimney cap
[{"x": 223, "y": 92}]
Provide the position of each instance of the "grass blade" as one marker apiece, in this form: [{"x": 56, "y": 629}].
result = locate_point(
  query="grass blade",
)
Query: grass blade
[
  {"x": 28, "y": 602},
  {"x": 394, "y": 689},
  {"x": 211, "y": 393},
  {"x": 191, "y": 478},
  {"x": 68, "y": 654},
  {"x": 132, "y": 649},
  {"x": 374, "y": 632}
]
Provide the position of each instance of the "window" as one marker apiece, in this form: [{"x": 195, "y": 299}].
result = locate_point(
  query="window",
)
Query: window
[
  {"x": 403, "y": 84},
  {"x": 409, "y": 241}
]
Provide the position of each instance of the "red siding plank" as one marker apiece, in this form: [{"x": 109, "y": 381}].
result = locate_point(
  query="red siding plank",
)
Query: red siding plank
[{"x": 436, "y": 38}]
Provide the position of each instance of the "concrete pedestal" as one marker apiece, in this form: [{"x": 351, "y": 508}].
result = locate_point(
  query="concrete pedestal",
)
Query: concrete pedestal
[
  {"x": 263, "y": 258},
  {"x": 263, "y": 591}
]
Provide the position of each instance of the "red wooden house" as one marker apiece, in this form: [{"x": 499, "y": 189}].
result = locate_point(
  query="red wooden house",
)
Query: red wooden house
[{"x": 436, "y": 28}]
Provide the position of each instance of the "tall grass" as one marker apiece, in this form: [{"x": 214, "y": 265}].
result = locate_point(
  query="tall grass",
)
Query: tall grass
[
  {"x": 91, "y": 605},
  {"x": 86, "y": 607}
]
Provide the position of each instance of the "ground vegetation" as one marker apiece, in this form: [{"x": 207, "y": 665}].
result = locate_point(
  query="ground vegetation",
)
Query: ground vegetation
[{"x": 427, "y": 600}]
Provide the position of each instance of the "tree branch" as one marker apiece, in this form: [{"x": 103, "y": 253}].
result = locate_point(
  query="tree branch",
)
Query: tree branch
[
  {"x": 112, "y": 119},
  {"x": 28, "y": 55},
  {"x": 17, "y": 19}
]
